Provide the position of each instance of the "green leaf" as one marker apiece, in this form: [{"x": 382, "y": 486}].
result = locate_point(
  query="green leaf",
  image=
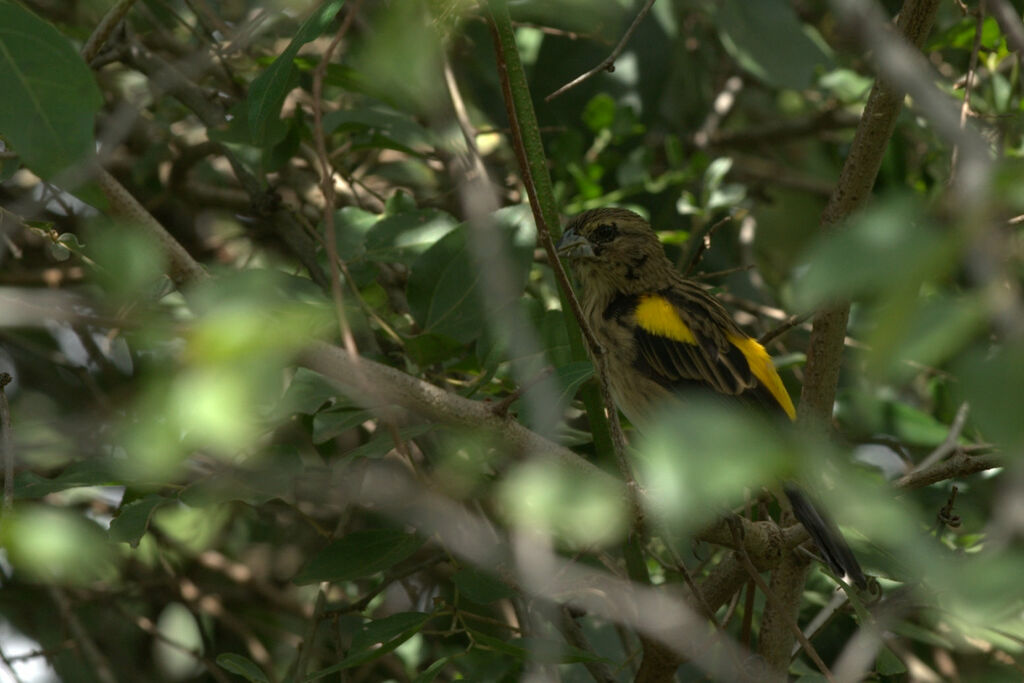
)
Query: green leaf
[
  {"x": 887, "y": 249},
  {"x": 376, "y": 639},
  {"x": 268, "y": 90},
  {"x": 328, "y": 424},
  {"x": 767, "y": 39},
  {"x": 479, "y": 586},
  {"x": 888, "y": 664},
  {"x": 599, "y": 112},
  {"x": 132, "y": 520},
  {"x": 383, "y": 442},
  {"x": 307, "y": 393},
  {"x": 431, "y": 672},
  {"x": 50, "y": 98},
  {"x": 242, "y": 666},
  {"x": 447, "y": 290},
  {"x": 405, "y": 235},
  {"x": 571, "y": 377},
  {"x": 395, "y": 130},
  {"x": 360, "y": 554}
]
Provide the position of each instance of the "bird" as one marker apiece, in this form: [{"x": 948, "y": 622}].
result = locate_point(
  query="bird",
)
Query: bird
[{"x": 664, "y": 335}]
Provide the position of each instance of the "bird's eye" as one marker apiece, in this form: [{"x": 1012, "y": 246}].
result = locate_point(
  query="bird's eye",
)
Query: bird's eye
[{"x": 605, "y": 232}]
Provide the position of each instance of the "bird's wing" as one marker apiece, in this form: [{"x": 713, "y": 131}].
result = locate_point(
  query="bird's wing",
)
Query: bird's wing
[{"x": 685, "y": 338}]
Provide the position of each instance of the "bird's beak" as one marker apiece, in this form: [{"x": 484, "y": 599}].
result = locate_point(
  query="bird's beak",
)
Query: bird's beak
[{"x": 574, "y": 244}]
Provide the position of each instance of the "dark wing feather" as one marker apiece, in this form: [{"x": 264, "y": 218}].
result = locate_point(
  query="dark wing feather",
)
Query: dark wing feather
[{"x": 712, "y": 360}]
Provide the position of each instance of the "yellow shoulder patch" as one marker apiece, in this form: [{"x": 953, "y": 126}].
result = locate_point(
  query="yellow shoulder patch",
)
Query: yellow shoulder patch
[
  {"x": 761, "y": 365},
  {"x": 657, "y": 315}
]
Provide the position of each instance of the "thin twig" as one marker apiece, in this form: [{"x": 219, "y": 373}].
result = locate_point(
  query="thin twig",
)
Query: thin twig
[
  {"x": 609, "y": 62},
  {"x": 703, "y": 243},
  {"x": 787, "y": 325}
]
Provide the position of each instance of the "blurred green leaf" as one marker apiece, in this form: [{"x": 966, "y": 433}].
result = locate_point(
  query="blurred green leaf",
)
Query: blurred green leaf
[
  {"x": 888, "y": 664},
  {"x": 767, "y": 39},
  {"x": 887, "y": 250},
  {"x": 863, "y": 415},
  {"x": 549, "y": 498},
  {"x": 57, "y": 546},
  {"x": 599, "y": 113},
  {"x": 359, "y": 554},
  {"x": 401, "y": 63},
  {"x": 992, "y": 380},
  {"x": 697, "y": 458}
]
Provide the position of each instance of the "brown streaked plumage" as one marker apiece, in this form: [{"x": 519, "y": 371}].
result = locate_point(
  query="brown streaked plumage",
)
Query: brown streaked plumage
[{"x": 665, "y": 335}]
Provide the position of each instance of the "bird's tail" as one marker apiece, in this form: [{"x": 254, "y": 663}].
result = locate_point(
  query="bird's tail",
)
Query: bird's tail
[{"x": 826, "y": 536}]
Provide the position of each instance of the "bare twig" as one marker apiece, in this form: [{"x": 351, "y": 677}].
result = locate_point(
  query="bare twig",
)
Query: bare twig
[
  {"x": 959, "y": 465},
  {"x": 702, "y": 242},
  {"x": 609, "y": 62},
  {"x": 781, "y": 329}
]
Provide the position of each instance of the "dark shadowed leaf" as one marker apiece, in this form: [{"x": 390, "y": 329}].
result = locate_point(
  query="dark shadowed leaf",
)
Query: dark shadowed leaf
[
  {"x": 242, "y": 666},
  {"x": 479, "y": 586},
  {"x": 132, "y": 519},
  {"x": 268, "y": 90},
  {"x": 376, "y": 639},
  {"x": 360, "y": 554},
  {"x": 49, "y": 97}
]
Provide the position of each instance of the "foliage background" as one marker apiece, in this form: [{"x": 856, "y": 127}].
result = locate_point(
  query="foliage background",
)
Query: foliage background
[{"x": 194, "y": 494}]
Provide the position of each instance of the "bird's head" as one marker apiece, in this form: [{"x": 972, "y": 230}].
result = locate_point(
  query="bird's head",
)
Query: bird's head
[{"x": 614, "y": 247}]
